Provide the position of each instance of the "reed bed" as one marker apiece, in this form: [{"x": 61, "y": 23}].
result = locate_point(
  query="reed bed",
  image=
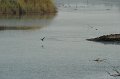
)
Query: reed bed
[{"x": 19, "y": 7}]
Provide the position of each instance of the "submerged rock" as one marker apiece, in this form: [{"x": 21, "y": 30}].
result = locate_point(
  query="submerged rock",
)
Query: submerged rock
[{"x": 109, "y": 38}]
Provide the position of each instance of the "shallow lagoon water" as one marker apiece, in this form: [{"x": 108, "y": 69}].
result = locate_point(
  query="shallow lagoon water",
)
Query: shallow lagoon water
[{"x": 65, "y": 53}]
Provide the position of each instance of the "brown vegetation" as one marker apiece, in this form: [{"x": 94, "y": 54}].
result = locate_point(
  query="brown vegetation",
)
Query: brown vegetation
[{"x": 19, "y": 7}]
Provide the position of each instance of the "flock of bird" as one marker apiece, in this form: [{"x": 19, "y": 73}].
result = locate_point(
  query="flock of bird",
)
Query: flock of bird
[{"x": 67, "y": 5}]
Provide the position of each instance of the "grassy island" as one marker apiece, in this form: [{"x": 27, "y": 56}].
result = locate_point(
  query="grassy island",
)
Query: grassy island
[{"x": 20, "y": 7}]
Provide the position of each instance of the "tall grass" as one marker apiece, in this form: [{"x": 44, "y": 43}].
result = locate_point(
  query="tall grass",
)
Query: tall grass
[
  {"x": 9, "y": 6},
  {"x": 27, "y": 7}
]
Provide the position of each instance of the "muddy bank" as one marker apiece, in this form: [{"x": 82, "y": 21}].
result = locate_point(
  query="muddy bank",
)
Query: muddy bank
[
  {"x": 19, "y": 28},
  {"x": 109, "y": 38}
]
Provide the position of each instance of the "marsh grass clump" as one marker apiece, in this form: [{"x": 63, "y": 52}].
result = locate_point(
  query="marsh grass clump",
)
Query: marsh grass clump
[
  {"x": 9, "y": 7},
  {"x": 19, "y": 7},
  {"x": 37, "y": 6}
]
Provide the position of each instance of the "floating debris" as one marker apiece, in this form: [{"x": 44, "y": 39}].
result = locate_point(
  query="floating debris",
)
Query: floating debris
[{"x": 98, "y": 60}]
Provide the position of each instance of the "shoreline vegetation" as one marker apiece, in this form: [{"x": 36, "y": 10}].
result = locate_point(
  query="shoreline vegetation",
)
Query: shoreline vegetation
[
  {"x": 27, "y": 7},
  {"x": 106, "y": 38}
]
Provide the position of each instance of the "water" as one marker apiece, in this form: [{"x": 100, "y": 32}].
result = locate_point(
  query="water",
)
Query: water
[{"x": 65, "y": 53}]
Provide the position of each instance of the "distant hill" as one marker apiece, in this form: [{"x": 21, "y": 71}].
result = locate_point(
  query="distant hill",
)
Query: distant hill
[{"x": 18, "y": 7}]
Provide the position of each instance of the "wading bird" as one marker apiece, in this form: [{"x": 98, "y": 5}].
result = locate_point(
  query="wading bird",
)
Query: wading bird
[{"x": 43, "y": 39}]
